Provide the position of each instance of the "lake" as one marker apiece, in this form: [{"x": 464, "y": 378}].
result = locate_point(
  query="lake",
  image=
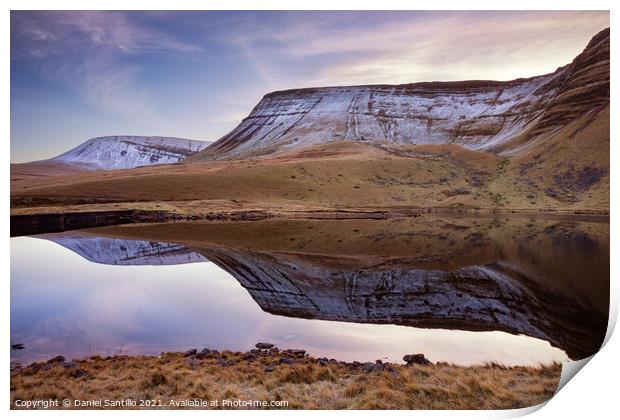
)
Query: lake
[{"x": 464, "y": 290}]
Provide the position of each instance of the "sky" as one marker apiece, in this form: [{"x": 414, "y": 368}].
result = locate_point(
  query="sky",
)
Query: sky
[{"x": 76, "y": 75}]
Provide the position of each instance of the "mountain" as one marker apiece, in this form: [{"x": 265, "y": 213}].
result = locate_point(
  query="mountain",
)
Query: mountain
[
  {"x": 540, "y": 144},
  {"x": 124, "y": 152},
  {"x": 500, "y": 117},
  {"x": 111, "y": 152}
]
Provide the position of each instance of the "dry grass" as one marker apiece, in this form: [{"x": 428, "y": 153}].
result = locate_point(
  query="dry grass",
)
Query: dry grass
[{"x": 305, "y": 383}]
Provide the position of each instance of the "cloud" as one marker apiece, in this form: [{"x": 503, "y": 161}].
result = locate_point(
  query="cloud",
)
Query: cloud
[
  {"x": 388, "y": 47},
  {"x": 125, "y": 32},
  {"x": 92, "y": 53}
]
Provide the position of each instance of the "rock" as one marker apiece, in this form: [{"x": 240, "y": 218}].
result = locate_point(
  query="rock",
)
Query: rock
[
  {"x": 34, "y": 367},
  {"x": 191, "y": 352},
  {"x": 206, "y": 352},
  {"x": 368, "y": 367},
  {"x": 391, "y": 370},
  {"x": 249, "y": 356},
  {"x": 263, "y": 346},
  {"x": 17, "y": 346},
  {"x": 57, "y": 359},
  {"x": 192, "y": 362},
  {"x": 79, "y": 373},
  {"x": 286, "y": 360},
  {"x": 68, "y": 365},
  {"x": 296, "y": 352},
  {"x": 269, "y": 369},
  {"x": 379, "y": 361},
  {"x": 416, "y": 359}
]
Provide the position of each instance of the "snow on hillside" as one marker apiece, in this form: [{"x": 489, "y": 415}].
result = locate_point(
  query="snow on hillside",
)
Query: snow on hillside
[
  {"x": 501, "y": 117},
  {"x": 477, "y": 117},
  {"x": 123, "y": 152}
]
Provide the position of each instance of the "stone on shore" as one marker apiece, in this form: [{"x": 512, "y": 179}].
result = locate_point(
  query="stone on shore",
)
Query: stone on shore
[
  {"x": 57, "y": 359},
  {"x": 416, "y": 359},
  {"x": 206, "y": 352},
  {"x": 263, "y": 346},
  {"x": 296, "y": 352},
  {"x": 369, "y": 367}
]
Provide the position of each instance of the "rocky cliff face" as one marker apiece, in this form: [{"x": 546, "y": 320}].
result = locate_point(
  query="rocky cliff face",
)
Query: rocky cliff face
[
  {"x": 114, "y": 251},
  {"x": 503, "y": 117},
  {"x": 124, "y": 152}
]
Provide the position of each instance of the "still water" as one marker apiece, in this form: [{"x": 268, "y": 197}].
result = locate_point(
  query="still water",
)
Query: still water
[{"x": 79, "y": 294}]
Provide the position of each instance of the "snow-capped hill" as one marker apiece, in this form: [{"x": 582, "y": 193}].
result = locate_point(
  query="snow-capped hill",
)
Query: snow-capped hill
[
  {"x": 124, "y": 152},
  {"x": 501, "y": 117}
]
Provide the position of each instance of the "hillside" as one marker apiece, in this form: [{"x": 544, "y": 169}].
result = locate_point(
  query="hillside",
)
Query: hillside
[
  {"x": 549, "y": 153},
  {"x": 113, "y": 152},
  {"x": 503, "y": 117}
]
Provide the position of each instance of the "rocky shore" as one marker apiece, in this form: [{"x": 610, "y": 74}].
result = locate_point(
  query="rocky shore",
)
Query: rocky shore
[{"x": 288, "y": 378}]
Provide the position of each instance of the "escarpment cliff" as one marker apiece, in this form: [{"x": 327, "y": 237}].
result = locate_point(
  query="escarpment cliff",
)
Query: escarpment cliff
[{"x": 501, "y": 117}]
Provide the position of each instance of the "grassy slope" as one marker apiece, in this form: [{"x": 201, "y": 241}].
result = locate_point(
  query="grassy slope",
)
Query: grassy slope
[
  {"x": 304, "y": 383},
  {"x": 569, "y": 171},
  {"x": 34, "y": 170}
]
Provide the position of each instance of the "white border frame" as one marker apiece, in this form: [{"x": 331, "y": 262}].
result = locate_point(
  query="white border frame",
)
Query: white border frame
[{"x": 593, "y": 394}]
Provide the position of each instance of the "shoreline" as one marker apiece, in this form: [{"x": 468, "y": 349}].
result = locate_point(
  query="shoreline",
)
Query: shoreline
[
  {"x": 27, "y": 221},
  {"x": 269, "y": 374}
]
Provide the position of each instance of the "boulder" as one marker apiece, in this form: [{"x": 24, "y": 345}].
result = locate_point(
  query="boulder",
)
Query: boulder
[
  {"x": 368, "y": 367},
  {"x": 296, "y": 352},
  {"x": 206, "y": 352},
  {"x": 416, "y": 359},
  {"x": 57, "y": 359},
  {"x": 263, "y": 346},
  {"x": 79, "y": 373}
]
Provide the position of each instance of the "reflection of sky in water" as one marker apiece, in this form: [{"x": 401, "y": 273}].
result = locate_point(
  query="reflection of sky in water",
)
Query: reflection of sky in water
[{"x": 64, "y": 304}]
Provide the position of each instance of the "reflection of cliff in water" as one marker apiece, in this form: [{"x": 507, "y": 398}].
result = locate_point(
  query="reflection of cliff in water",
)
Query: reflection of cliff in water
[
  {"x": 113, "y": 251},
  {"x": 543, "y": 279},
  {"x": 527, "y": 289}
]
